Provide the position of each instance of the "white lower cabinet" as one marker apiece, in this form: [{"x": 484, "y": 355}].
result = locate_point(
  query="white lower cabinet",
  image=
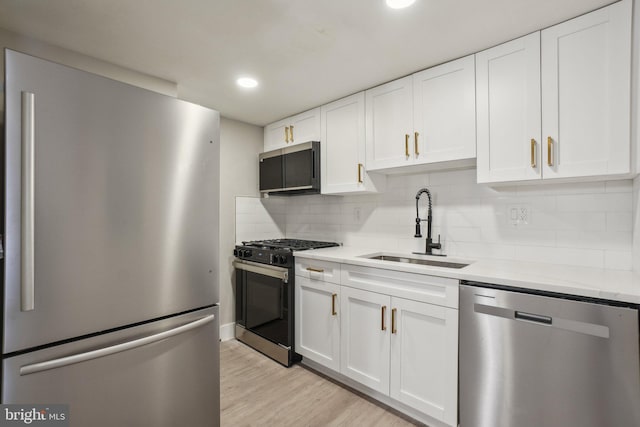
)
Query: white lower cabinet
[
  {"x": 317, "y": 321},
  {"x": 424, "y": 358},
  {"x": 380, "y": 329},
  {"x": 365, "y": 338}
]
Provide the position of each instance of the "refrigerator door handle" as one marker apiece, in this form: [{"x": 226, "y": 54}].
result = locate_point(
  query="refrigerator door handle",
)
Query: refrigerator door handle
[
  {"x": 27, "y": 216},
  {"x": 94, "y": 354}
]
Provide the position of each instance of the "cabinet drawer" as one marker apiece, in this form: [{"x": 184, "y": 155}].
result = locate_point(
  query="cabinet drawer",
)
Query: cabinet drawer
[
  {"x": 318, "y": 270},
  {"x": 418, "y": 287}
]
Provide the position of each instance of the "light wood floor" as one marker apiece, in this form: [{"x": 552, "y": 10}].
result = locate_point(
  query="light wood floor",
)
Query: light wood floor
[{"x": 256, "y": 391}]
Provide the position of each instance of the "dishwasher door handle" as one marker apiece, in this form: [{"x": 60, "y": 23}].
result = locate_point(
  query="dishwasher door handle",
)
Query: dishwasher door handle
[
  {"x": 533, "y": 317},
  {"x": 580, "y": 327}
]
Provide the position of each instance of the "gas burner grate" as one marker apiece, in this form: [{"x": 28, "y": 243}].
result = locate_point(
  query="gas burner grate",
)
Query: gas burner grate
[{"x": 292, "y": 244}]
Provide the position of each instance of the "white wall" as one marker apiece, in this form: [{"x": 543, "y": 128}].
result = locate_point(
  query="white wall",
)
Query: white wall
[
  {"x": 240, "y": 144},
  {"x": 585, "y": 224}
]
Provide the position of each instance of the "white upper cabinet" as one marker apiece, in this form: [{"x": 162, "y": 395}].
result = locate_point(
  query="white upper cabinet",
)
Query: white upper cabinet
[
  {"x": 444, "y": 112},
  {"x": 556, "y": 103},
  {"x": 508, "y": 108},
  {"x": 389, "y": 113},
  {"x": 343, "y": 148},
  {"x": 303, "y": 127},
  {"x": 424, "y": 119},
  {"x": 586, "y": 87}
]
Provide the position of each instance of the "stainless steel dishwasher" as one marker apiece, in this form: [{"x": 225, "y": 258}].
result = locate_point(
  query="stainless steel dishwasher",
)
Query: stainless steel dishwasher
[{"x": 546, "y": 360}]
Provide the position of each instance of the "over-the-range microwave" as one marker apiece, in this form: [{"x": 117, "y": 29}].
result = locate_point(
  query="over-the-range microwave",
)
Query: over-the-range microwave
[{"x": 291, "y": 170}]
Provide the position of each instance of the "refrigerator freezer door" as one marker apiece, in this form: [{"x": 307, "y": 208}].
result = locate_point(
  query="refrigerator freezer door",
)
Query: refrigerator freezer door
[
  {"x": 123, "y": 222},
  {"x": 146, "y": 385}
]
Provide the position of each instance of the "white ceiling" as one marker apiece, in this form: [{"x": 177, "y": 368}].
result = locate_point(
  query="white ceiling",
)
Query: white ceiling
[{"x": 304, "y": 52}]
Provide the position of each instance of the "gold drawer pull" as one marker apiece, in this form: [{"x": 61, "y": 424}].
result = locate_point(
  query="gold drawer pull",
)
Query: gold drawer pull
[
  {"x": 415, "y": 143},
  {"x": 333, "y": 304},
  {"x": 291, "y": 132},
  {"x": 393, "y": 321},
  {"x": 315, "y": 270},
  {"x": 384, "y": 310},
  {"x": 286, "y": 134},
  {"x": 533, "y": 153},
  {"x": 549, "y": 151},
  {"x": 360, "y": 166}
]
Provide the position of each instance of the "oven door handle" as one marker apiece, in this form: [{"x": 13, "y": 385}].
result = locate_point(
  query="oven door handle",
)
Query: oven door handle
[{"x": 264, "y": 269}]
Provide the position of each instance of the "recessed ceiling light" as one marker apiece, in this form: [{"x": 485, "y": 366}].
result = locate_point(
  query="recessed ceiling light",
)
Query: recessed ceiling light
[
  {"x": 399, "y": 4},
  {"x": 247, "y": 82}
]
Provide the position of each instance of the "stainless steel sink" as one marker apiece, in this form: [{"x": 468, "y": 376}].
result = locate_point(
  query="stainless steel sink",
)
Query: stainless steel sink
[{"x": 420, "y": 261}]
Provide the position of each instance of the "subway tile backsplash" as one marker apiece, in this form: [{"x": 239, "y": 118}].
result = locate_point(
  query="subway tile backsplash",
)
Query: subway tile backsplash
[{"x": 584, "y": 224}]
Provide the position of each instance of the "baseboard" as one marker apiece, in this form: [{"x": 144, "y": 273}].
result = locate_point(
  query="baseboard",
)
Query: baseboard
[{"x": 227, "y": 331}]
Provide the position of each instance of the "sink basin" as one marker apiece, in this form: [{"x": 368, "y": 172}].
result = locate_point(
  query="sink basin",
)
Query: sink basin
[{"x": 421, "y": 261}]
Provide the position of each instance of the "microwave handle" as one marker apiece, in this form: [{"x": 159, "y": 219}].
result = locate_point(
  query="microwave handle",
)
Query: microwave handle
[{"x": 313, "y": 164}]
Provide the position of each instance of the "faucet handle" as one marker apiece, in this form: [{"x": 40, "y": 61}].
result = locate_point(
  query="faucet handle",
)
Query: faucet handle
[{"x": 436, "y": 245}]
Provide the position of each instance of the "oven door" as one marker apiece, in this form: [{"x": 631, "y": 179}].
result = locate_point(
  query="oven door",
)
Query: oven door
[{"x": 262, "y": 300}]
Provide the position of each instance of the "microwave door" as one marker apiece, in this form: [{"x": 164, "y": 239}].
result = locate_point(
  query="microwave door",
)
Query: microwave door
[
  {"x": 300, "y": 169},
  {"x": 271, "y": 173}
]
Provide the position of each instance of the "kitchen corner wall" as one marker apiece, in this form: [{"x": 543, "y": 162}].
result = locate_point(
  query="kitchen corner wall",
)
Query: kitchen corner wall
[
  {"x": 582, "y": 224},
  {"x": 240, "y": 144}
]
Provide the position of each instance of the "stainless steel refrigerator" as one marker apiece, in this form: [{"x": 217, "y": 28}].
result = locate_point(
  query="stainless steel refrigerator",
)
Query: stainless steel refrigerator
[{"x": 111, "y": 249}]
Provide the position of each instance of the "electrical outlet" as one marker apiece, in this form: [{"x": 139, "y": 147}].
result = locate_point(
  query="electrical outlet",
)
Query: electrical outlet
[{"x": 519, "y": 215}]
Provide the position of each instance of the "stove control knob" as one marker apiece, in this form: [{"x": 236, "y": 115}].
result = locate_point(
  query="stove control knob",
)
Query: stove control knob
[
  {"x": 248, "y": 253},
  {"x": 283, "y": 259},
  {"x": 236, "y": 252}
]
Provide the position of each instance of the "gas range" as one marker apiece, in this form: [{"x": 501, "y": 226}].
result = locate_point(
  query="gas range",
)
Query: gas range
[
  {"x": 265, "y": 300},
  {"x": 276, "y": 251}
]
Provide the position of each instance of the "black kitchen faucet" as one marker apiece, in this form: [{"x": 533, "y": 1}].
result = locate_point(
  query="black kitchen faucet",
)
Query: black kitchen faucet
[{"x": 429, "y": 244}]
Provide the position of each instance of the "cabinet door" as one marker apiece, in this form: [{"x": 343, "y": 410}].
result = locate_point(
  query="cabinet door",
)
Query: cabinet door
[
  {"x": 364, "y": 336},
  {"x": 389, "y": 115},
  {"x": 276, "y": 135},
  {"x": 424, "y": 358},
  {"x": 317, "y": 321},
  {"x": 586, "y": 94},
  {"x": 343, "y": 145},
  {"x": 508, "y": 108},
  {"x": 444, "y": 112},
  {"x": 305, "y": 127}
]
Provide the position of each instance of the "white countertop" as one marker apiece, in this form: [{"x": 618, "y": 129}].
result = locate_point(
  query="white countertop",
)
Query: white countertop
[{"x": 614, "y": 285}]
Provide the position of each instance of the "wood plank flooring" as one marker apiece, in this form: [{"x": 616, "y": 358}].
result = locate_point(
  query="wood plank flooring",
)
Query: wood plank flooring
[{"x": 256, "y": 391}]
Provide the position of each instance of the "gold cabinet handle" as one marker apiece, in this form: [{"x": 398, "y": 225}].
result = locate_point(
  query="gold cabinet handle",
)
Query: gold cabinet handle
[
  {"x": 315, "y": 270},
  {"x": 291, "y": 133},
  {"x": 549, "y": 151},
  {"x": 333, "y": 304},
  {"x": 393, "y": 321},
  {"x": 533, "y": 153},
  {"x": 383, "y": 327},
  {"x": 406, "y": 144},
  {"x": 360, "y": 166},
  {"x": 286, "y": 134},
  {"x": 415, "y": 143}
]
